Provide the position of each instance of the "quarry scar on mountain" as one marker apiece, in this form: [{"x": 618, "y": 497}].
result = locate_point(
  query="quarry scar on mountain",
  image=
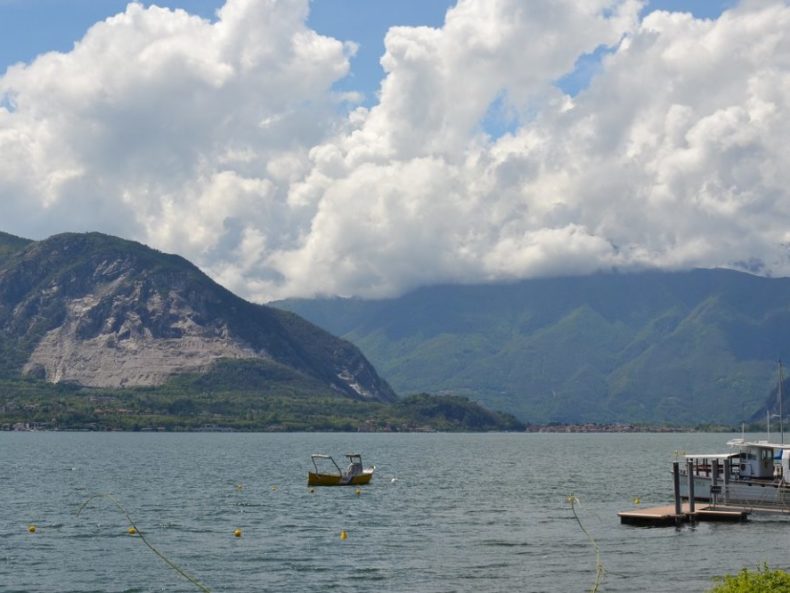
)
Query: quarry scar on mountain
[{"x": 125, "y": 353}]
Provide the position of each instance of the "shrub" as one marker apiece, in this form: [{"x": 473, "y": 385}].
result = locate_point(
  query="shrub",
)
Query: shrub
[{"x": 756, "y": 581}]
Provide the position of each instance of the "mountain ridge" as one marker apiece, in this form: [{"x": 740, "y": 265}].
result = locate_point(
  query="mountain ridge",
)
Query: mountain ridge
[{"x": 663, "y": 347}]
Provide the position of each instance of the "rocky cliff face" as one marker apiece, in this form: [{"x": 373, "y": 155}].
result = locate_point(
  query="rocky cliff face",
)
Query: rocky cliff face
[
  {"x": 100, "y": 311},
  {"x": 124, "y": 350}
]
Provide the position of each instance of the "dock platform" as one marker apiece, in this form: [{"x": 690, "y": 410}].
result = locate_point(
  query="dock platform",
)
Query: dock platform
[{"x": 665, "y": 516}]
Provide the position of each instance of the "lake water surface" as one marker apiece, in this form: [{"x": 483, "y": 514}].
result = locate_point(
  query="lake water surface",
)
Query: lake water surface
[{"x": 445, "y": 513}]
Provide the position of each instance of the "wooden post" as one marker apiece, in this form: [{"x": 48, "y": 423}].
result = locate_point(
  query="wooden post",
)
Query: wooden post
[
  {"x": 690, "y": 470},
  {"x": 676, "y": 483},
  {"x": 714, "y": 479},
  {"x": 727, "y": 475}
]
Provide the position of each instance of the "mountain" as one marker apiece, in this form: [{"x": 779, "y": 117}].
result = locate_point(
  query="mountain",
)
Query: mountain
[
  {"x": 686, "y": 347},
  {"x": 10, "y": 244},
  {"x": 97, "y": 311}
]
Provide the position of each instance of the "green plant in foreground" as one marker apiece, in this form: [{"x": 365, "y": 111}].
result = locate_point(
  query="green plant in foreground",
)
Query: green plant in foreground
[
  {"x": 762, "y": 580},
  {"x": 599, "y": 568},
  {"x": 136, "y": 531}
]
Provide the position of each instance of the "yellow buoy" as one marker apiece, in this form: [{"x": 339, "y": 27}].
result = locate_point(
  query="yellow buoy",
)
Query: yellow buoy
[
  {"x": 357, "y": 491},
  {"x": 274, "y": 488},
  {"x": 239, "y": 487},
  {"x": 237, "y": 533},
  {"x": 637, "y": 500},
  {"x": 31, "y": 528},
  {"x": 343, "y": 535},
  {"x": 132, "y": 531}
]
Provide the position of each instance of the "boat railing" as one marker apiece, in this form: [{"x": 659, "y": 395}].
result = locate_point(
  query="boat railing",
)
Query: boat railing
[
  {"x": 698, "y": 469},
  {"x": 704, "y": 468}
]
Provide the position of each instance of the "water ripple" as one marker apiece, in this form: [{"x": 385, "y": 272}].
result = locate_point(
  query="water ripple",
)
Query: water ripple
[{"x": 468, "y": 513}]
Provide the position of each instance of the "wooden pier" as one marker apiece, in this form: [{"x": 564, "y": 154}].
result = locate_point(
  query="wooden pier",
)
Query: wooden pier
[
  {"x": 666, "y": 516},
  {"x": 682, "y": 512}
]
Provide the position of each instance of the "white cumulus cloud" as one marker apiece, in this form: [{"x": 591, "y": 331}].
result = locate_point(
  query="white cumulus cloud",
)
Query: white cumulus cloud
[{"x": 224, "y": 141}]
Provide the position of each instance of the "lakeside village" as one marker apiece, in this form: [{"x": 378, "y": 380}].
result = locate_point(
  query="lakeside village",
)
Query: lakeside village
[{"x": 620, "y": 427}]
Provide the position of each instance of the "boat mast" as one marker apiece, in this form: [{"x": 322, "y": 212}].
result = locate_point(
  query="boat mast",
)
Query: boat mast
[{"x": 781, "y": 397}]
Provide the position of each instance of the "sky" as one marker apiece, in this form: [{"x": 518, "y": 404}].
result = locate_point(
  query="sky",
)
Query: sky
[{"x": 366, "y": 148}]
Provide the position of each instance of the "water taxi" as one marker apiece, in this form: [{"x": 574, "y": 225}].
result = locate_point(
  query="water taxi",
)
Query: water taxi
[
  {"x": 354, "y": 475},
  {"x": 754, "y": 474}
]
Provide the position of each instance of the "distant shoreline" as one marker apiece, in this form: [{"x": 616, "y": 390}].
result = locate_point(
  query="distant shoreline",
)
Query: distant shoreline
[
  {"x": 530, "y": 428},
  {"x": 622, "y": 427}
]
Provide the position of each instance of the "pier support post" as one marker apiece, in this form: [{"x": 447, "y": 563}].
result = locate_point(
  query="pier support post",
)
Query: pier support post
[
  {"x": 676, "y": 484},
  {"x": 714, "y": 482},
  {"x": 690, "y": 471}
]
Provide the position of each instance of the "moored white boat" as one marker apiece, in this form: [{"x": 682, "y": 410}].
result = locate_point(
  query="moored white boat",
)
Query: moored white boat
[{"x": 754, "y": 475}]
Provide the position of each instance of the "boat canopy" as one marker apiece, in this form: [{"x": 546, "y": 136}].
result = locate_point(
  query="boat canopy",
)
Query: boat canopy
[
  {"x": 712, "y": 456},
  {"x": 757, "y": 444},
  {"x": 316, "y": 456}
]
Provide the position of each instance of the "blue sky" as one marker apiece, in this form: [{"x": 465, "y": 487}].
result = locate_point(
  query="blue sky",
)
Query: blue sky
[{"x": 31, "y": 27}]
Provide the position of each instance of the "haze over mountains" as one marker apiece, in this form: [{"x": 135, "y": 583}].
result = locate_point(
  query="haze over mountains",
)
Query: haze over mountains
[{"x": 687, "y": 347}]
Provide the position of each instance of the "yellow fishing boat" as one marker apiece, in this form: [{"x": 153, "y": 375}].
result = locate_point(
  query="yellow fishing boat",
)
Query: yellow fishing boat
[{"x": 354, "y": 474}]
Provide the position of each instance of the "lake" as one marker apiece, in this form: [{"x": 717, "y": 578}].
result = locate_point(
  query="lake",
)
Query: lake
[{"x": 445, "y": 513}]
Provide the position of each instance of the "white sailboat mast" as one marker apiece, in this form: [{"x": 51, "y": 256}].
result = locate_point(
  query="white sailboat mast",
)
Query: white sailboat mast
[{"x": 781, "y": 398}]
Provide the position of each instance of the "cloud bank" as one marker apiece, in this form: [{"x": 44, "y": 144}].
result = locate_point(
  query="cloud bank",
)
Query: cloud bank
[{"x": 224, "y": 142}]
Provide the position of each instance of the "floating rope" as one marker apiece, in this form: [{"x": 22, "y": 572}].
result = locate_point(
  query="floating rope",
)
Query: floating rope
[
  {"x": 599, "y": 569},
  {"x": 136, "y": 529}
]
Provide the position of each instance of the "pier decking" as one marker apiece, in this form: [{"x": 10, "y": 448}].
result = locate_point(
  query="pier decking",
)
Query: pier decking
[{"x": 664, "y": 516}]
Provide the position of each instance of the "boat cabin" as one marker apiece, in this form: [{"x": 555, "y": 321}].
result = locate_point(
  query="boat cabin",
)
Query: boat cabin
[
  {"x": 756, "y": 462},
  {"x": 354, "y": 464},
  {"x": 762, "y": 460}
]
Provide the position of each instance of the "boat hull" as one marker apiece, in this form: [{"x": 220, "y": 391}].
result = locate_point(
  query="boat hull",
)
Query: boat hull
[
  {"x": 314, "y": 479},
  {"x": 762, "y": 493}
]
